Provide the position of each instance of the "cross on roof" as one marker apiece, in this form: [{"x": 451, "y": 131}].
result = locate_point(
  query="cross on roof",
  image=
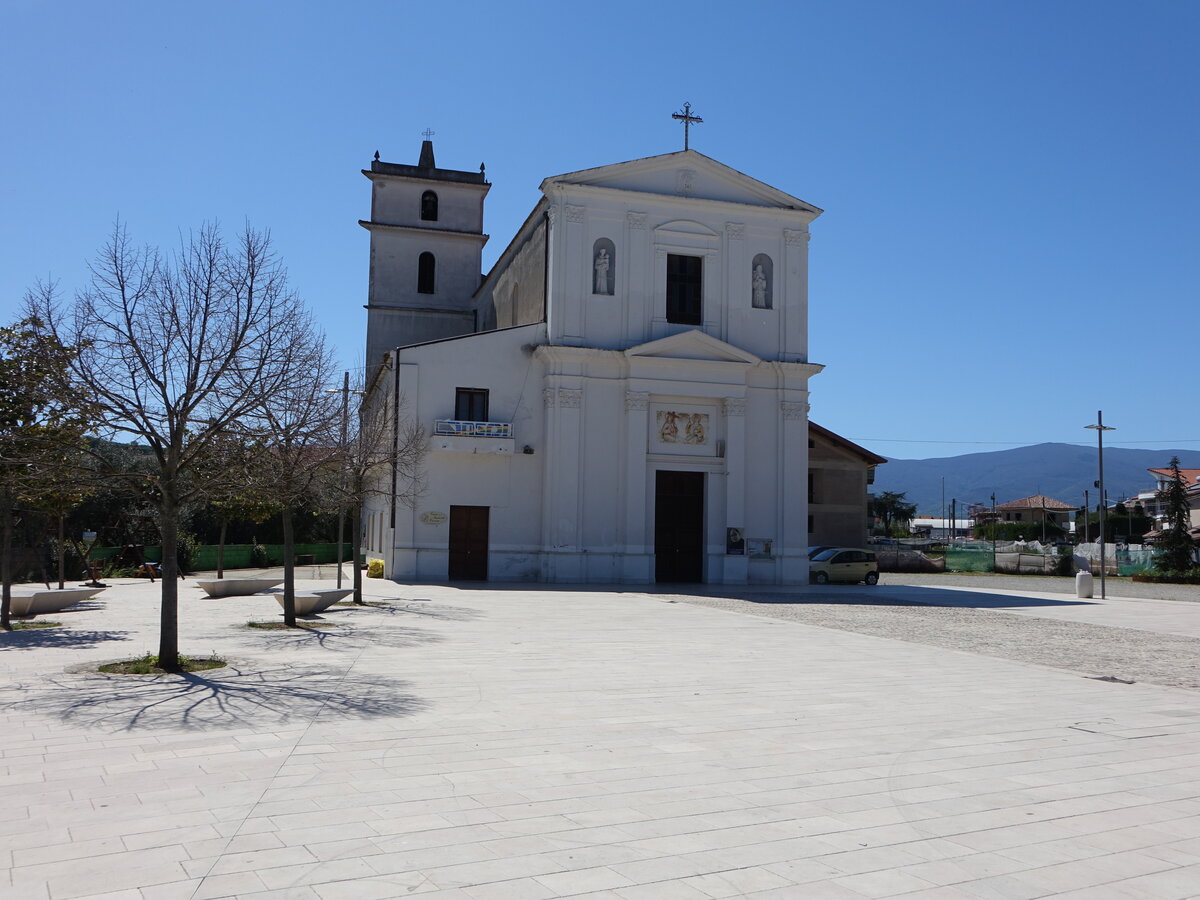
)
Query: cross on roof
[
  {"x": 428, "y": 134},
  {"x": 687, "y": 119}
]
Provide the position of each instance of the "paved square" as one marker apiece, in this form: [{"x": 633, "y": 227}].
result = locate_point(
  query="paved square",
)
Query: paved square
[{"x": 529, "y": 742}]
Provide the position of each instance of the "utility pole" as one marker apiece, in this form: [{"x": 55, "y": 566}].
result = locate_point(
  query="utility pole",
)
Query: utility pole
[{"x": 1100, "y": 428}]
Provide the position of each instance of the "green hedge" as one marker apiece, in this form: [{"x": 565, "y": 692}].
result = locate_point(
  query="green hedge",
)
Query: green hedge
[
  {"x": 1168, "y": 578},
  {"x": 237, "y": 556}
]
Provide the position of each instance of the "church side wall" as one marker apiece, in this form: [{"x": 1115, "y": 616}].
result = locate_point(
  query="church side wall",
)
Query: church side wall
[
  {"x": 518, "y": 296},
  {"x": 476, "y": 471}
]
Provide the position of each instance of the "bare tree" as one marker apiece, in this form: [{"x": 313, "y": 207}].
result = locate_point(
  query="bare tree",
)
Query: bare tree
[
  {"x": 175, "y": 350},
  {"x": 237, "y": 472},
  {"x": 382, "y": 457},
  {"x": 299, "y": 426}
]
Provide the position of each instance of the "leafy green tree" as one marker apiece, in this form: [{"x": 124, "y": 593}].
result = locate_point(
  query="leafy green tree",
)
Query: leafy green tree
[
  {"x": 37, "y": 422},
  {"x": 890, "y": 507},
  {"x": 1176, "y": 548},
  {"x": 56, "y": 497}
]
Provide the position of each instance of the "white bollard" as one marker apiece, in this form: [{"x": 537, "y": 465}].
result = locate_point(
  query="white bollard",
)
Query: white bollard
[{"x": 1083, "y": 585}]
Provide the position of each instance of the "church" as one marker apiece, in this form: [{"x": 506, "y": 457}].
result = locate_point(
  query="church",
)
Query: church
[{"x": 623, "y": 398}]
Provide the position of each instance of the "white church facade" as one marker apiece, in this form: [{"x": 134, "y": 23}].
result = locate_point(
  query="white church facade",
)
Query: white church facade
[{"x": 622, "y": 399}]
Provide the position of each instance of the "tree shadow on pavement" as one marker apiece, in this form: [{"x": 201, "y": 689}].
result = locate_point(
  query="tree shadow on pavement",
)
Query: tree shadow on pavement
[
  {"x": 58, "y": 638},
  {"x": 346, "y": 637},
  {"x": 237, "y": 696},
  {"x": 401, "y": 606},
  {"x": 906, "y": 595}
]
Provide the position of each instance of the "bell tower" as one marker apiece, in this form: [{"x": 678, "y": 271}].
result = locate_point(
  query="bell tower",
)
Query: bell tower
[{"x": 427, "y": 242}]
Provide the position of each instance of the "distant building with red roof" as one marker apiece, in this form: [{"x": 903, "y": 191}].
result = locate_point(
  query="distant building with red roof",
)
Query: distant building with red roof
[{"x": 1038, "y": 508}]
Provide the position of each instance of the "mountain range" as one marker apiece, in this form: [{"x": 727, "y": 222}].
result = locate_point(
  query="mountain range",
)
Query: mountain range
[{"x": 1061, "y": 471}]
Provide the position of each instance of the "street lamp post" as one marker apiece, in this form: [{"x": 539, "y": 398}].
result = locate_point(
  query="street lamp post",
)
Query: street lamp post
[
  {"x": 1100, "y": 428},
  {"x": 345, "y": 392}
]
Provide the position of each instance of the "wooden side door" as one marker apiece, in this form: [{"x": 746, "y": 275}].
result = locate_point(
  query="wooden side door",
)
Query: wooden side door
[{"x": 468, "y": 543}]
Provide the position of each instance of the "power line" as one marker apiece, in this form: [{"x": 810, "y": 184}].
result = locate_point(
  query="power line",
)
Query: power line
[{"x": 1023, "y": 443}]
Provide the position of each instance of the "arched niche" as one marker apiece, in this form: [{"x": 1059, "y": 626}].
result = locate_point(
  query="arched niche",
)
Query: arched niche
[
  {"x": 604, "y": 267},
  {"x": 762, "y": 282}
]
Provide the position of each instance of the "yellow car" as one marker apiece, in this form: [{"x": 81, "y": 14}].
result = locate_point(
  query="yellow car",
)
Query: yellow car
[{"x": 843, "y": 564}]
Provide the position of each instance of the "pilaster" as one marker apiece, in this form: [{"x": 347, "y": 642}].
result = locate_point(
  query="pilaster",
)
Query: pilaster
[
  {"x": 792, "y": 546},
  {"x": 562, "y": 497},
  {"x": 736, "y": 568},
  {"x": 637, "y": 565}
]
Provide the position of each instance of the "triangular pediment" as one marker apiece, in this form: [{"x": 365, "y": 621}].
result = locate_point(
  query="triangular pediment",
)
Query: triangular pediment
[
  {"x": 695, "y": 345},
  {"x": 684, "y": 174}
]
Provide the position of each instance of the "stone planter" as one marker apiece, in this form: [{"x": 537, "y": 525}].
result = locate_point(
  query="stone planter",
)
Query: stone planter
[
  {"x": 309, "y": 603},
  {"x": 41, "y": 602},
  {"x": 237, "y": 587}
]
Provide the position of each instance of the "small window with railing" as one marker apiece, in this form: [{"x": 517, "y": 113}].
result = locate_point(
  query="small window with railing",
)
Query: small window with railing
[{"x": 471, "y": 404}]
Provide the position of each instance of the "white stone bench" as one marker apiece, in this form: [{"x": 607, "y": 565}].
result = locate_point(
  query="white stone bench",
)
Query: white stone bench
[
  {"x": 309, "y": 603},
  {"x": 237, "y": 587},
  {"x": 56, "y": 600}
]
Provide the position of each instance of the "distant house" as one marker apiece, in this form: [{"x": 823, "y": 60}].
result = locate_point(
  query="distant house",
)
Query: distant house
[
  {"x": 1157, "y": 508},
  {"x": 1037, "y": 509},
  {"x": 839, "y": 472}
]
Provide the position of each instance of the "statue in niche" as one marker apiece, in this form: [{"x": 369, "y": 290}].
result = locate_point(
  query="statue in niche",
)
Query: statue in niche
[
  {"x": 601, "y": 266},
  {"x": 759, "y": 282}
]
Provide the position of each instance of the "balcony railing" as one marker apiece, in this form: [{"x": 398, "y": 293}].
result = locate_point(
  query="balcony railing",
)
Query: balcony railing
[{"x": 473, "y": 429}]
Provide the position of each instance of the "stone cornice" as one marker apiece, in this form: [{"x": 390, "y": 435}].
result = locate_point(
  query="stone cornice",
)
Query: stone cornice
[
  {"x": 797, "y": 369},
  {"x": 799, "y": 216},
  {"x": 413, "y": 229},
  {"x": 482, "y": 186}
]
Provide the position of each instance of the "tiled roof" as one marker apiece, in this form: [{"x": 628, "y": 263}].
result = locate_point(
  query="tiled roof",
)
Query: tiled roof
[
  {"x": 846, "y": 443},
  {"x": 1037, "y": 501},
  {"x": 1190, "y": 476}
]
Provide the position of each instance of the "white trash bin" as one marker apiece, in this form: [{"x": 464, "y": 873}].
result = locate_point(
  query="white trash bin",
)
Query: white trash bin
[{"x": 1083, "y": 584}]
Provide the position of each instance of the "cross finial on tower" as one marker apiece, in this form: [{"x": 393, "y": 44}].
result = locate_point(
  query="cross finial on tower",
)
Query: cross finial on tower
[
  {"x": 428, "y": 134},
  {"x": 687, "y": 119}
]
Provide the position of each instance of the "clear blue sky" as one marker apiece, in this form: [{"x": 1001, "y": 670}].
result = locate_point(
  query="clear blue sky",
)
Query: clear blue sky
[{"x": 1010, "y": 239}]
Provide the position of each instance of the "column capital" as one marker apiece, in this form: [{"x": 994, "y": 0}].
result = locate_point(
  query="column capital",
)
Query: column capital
[
  {"x": 734, "y": 406},
  {"x": 637, "y": 400},
  {"x": 793, "y": 411}
]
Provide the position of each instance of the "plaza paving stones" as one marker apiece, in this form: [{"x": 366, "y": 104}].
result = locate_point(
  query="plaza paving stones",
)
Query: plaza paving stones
[{"x": 529, "y": 742}]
